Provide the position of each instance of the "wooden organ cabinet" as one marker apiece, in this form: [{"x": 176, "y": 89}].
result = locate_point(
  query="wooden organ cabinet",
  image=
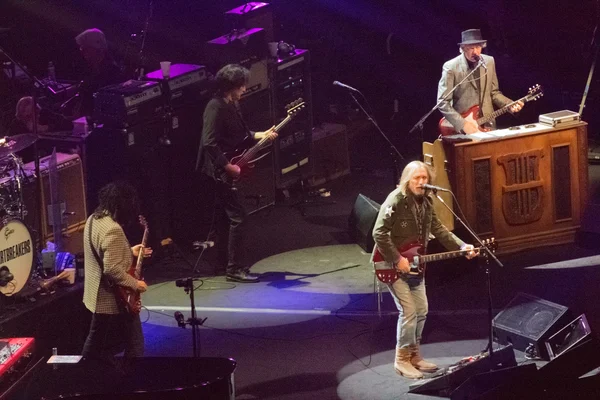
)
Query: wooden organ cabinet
[{"x": 526, "y": 186}]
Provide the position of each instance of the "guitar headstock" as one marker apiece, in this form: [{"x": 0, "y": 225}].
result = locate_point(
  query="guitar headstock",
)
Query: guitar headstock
[
  {"x": 295, "y": 106},
  {"x": 534, "y": 93},
  {"x": 143, "y": 221},
  {"x": 491, "y": 245}
]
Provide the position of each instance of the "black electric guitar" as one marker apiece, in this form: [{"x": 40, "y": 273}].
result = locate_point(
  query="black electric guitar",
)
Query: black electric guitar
[{"x": 244, "y": 156}]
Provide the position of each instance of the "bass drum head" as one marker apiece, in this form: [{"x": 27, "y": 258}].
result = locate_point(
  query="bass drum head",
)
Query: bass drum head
[{"x": 17, "y": 254}]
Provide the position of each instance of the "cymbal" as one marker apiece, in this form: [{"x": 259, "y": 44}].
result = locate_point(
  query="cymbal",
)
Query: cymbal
[{"x": 12, "y": 144}]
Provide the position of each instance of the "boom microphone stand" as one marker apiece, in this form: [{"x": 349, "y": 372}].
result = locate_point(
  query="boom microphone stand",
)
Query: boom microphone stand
[
  {"x": 397, "y": 157},
  {"x": 490, "y": 347},
  {"x": 193, "y": 321},
  {"x": 419, "y": 123}
]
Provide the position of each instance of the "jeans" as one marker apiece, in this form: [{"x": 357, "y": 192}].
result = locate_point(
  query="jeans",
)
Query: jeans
[
  {"x": 111, "y": 334},
  {"x": 230, "y": 227},
  {"x": 411, "y": 301}
]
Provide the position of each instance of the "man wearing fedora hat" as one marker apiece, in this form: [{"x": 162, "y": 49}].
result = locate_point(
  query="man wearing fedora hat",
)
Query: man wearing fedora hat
[{"x": 481, "y": 88}]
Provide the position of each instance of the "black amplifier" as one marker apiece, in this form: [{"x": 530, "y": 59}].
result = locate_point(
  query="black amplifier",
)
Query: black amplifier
[
  {"x": 128, "y": 103},
  {"x": 187, "y": 83}
]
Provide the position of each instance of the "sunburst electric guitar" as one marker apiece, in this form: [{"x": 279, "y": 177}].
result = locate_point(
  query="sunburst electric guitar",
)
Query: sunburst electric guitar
[
  {"x": 386, "y": 272},
  {"x": 131, "y": 299},
  {"x": 244, "y": 156},
  {"x": 446, "y": 128}
]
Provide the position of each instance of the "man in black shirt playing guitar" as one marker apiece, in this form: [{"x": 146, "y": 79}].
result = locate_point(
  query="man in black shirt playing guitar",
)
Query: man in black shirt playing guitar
[{"x": 224, "y": 131}]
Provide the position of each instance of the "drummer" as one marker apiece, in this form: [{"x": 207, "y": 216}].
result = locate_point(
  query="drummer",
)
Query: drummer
[{"x": 47, "y": 122}]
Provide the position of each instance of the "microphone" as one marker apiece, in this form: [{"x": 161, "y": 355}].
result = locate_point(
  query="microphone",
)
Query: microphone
[
  {"x": 481, "y": 61},
  {"x": 343, "y": 85},
  {"x": 5, "y": 276},
  {"x": 203, "y": 245},
  {"x": 180, "y": 319},
  {"x": 434, "y": 188}
]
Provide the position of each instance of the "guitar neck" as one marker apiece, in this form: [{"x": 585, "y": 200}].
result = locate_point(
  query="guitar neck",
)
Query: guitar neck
[
  {"x": 249, "y": 155},
  {"x": 140, "y": 258},
  {"x": 500, "y": 111},
  {"x": 443, "y": 256}
]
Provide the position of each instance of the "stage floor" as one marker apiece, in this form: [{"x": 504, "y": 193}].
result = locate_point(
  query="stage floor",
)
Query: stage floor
[{"x": 311, "y": 327}]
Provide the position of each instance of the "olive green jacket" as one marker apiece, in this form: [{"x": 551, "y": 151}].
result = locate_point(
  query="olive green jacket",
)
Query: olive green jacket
[{"x": 396, "y": 225}]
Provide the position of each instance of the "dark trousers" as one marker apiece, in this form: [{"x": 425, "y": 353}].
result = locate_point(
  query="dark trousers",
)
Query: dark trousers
[
  {"x": 230, "y": 226},
  {"x": 111, "y": 334}
]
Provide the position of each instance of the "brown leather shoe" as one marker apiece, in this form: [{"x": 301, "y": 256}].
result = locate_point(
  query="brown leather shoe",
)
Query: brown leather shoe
[
  {"x": 418, "y": 362},
  {"x": 403, "y": 366}
]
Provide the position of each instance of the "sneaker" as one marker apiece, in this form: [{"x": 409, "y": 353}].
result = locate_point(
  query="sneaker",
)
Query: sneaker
[{"x": 241, "y": 276}]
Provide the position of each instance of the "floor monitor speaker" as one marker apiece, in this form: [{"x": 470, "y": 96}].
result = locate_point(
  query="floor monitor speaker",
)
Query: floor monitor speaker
[
  {"x": 527, "y": 321},
  {"x": 362, "y": 220}
]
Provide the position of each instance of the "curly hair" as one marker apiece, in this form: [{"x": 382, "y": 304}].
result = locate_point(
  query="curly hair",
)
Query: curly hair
[
  {"x": 230, "y": 77},
  {"x": 120, "y": 201}
]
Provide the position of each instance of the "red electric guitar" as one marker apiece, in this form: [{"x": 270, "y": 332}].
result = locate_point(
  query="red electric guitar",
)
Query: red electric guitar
[
  {"x": 447, "y": 129},
  {"x": 413, "y": 251},
  {"x": 130, "y": 298}
]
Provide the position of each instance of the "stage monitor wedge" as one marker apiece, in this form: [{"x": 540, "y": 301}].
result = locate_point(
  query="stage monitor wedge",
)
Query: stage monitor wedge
[
  {"x": 362, "y": 220},
  {"x": 527, "y": 321}
]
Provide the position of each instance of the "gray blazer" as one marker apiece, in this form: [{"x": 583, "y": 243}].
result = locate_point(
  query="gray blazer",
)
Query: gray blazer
[
  {"x": 466, "y": 96},
  {"x": 112, "y": 246}
]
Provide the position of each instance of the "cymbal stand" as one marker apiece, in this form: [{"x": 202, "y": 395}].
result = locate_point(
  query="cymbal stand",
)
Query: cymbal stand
[
  {"x": 37, "y": 85},
  {"x": 19, "y": 175}
]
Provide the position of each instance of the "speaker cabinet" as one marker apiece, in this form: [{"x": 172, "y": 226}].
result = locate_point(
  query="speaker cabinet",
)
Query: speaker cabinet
[
  {"x": 362, "y": 220},
  {"x": 71, "y": 200},
  {"x": 291, "y": 80},
  {"x": 528, "y": 321},
  {"x": 330, "y": 154}
]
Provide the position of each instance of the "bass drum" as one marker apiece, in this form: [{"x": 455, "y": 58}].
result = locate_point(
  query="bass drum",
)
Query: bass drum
[{"x": 16, "y": 254}]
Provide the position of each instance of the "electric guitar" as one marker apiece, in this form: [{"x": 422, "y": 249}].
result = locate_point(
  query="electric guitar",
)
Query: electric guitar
[
  {"x": 386, "y": 272},
  {"x": 244, "y": 156},
  {"x": 131, "y": 299},
  {"x": 446, "y": 128}
]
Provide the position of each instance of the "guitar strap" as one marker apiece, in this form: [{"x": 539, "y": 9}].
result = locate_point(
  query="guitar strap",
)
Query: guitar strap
[
  {"x": 482, "y": 92},
  {"x": 238, "y": 112},
  {"x": 110, "y": 285}
]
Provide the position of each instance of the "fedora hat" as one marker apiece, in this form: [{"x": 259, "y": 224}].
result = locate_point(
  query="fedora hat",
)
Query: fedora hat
[{"x": 471, "y": 36}]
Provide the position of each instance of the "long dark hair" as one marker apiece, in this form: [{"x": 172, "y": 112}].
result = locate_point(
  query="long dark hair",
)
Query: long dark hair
[
  {"x": 231, "y": 76},
  {"x": 120, "y": 201}
]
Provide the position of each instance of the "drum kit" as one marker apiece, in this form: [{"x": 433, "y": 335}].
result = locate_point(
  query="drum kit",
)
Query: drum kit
[{"x": 17, "y": 250}]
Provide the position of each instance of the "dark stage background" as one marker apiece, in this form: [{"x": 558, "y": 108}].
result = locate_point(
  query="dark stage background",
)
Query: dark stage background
[
  {"x": 392, "y": 51},
  {"x": 389, "y": 49}
]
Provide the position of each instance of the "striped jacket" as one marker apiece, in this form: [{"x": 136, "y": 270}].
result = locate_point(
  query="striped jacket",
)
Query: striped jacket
[{"x": 114, "y": 249}]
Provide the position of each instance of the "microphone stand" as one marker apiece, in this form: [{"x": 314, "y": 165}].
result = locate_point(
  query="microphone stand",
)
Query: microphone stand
[
  {"x": 419, "y": 123},
  {"x": 193, "y": 321},
  {"x": 487, "y": 272},
  {"x": 37, "y": 84},
  {"x": 394, "y": 153}
]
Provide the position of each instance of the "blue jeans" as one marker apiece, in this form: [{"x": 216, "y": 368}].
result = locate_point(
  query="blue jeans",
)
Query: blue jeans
[{"x": 411, "y": 301}]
